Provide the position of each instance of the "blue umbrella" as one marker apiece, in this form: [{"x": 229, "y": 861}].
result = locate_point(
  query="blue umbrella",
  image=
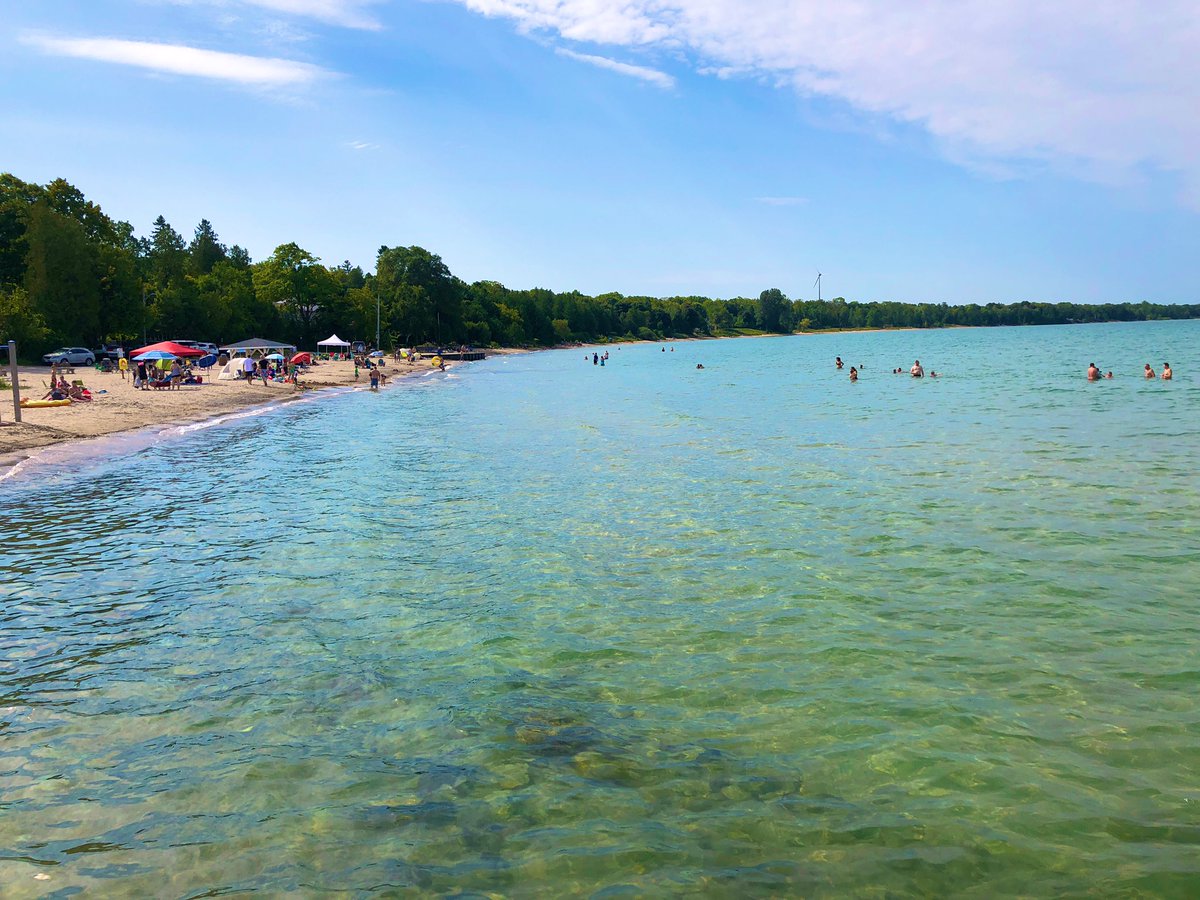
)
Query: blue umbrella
[{"x": 154, "y": 354}]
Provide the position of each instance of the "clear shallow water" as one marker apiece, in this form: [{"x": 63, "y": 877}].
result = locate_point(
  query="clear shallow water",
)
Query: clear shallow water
[{"x": 539, "y": 628}]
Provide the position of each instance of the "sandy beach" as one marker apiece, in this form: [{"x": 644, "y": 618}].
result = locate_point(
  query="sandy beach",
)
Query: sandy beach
[{"x": 119, "y": 407}]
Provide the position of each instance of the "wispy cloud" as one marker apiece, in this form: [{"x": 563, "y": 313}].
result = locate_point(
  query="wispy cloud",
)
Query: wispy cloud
[
  {"x": 361, "y": 145},
  {"x": 1102, "y": 89},
  {"x": 782, "y": 201},
  {"x": 655, "y": 77},
  {"x": 347, "y": 13},
  {"x": 178, "y": 59}
]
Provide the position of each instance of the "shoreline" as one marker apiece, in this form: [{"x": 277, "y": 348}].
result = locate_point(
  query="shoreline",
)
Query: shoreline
[{"x": 119, "y": 410}]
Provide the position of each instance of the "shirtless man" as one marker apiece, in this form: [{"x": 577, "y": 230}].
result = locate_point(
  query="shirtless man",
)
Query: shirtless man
[
  {"x": 1150, "y": 372},
  {"x": 1167, "y": 375},
  {"x": 917, "y": 371},
  {"x": 1093, "y": 372}
]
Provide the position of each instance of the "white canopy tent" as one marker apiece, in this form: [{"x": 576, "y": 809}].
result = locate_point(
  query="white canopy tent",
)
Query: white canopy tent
[
  {"x": 333, "y": 341},
  {"x": 258, "y": 347}
]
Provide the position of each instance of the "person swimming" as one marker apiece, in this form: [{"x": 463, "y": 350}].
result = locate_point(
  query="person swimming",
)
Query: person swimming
[{"x": 699, "y": 365}]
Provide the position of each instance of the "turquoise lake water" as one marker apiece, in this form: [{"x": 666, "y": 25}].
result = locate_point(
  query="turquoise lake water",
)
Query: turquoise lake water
[{"x": 537, "y": 628}]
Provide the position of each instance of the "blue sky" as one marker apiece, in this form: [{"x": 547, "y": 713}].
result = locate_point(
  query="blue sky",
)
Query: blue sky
[{"x": 940, "y": 151}]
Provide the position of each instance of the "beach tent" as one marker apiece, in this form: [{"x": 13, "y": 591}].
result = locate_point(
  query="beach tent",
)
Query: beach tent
[
  {"x": 333, "y": 341},
  {"x": 232, "y": 370},
  {"x": 257, "y": 347},
  {"x": 169, "y": 347}
]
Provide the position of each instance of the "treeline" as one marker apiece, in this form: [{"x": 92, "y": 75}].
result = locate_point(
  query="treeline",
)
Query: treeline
[{"x": 70, "y": 275}]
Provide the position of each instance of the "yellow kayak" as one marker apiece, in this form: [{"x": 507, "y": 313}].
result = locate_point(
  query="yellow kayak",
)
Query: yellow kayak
[{"x": 42, "y": 404}]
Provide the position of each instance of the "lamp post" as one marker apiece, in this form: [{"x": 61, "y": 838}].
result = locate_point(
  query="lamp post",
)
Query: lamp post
[{"x": 377, "y": 321}]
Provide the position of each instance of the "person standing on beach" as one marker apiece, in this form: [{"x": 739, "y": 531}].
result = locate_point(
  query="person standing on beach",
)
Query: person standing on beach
[
  {"x": 122, "y": 365},
  {"x": 140, "y": 381},
  {"x": 1093, "y": 372},
  {"x": 1167, "y": 374},
  {"x": 374, "y": 376}
]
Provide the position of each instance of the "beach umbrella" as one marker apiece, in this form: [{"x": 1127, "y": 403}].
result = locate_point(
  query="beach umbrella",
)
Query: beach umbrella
[
  {"x": 273, "y": 356},
  {"x": 153, "y": 354},
  {"x": 169, "y": 347},
  {"x": 303, "y": 359},
  {"x": 377, "y": 353}
]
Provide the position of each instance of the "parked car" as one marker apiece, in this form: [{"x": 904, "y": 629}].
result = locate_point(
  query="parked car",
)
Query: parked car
[
  {"x": 74, "y": 356},
  {"x": 109, "y": 351},
  {"x": 208, "y": 348}
]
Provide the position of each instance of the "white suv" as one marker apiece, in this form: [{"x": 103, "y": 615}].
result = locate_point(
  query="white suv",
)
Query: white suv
[
  {"x": 210, "y": 349},
  {"x": 74, "y": 356}
]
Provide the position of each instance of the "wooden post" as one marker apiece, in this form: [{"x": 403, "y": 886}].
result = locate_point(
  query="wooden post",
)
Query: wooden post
[{"x": 16, "y": 381}]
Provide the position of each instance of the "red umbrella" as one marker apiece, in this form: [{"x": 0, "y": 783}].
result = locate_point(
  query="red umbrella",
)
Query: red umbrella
[
  {"x": 170, "y": 347},
  {"x": 302, "y": 359}
]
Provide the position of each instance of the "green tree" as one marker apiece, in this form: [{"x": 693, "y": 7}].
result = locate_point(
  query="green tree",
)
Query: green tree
[
  {"x": 205, "y": 250},
  {"x": 166, "y": 255},
  {"x": 61, "y": 276},
  {"x": 298, "y": 285},
  {"x": 773, "y": 305}
]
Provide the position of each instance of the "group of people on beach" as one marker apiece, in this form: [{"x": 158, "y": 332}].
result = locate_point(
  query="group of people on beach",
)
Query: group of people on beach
[
  {"x": 1093, "y": 372},
  {"x": 147, "y": 376},
  {"x": 61, "y": 390}
]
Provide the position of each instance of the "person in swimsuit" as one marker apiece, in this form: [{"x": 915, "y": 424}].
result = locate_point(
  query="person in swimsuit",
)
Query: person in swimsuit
[
  {"x": 1167, "y": 374},
  {"x": 917, "y": 371},
  {"x": 838, "y": 362},
  {"x": 1150, "y": 373},
  {"x": 853, "y": 374},
  {"x": 1093, "y": 372}
]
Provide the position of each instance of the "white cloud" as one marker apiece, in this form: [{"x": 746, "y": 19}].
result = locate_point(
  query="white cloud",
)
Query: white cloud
[
  {"x": 782, "y": 201},
  {"x": 661, "y": 79},
  {"x": 361, "y": 145},
  {"x": 1101, "y": 88},
  {"x": 347, "y": 13},
  {"x": 178, "y": 59}
]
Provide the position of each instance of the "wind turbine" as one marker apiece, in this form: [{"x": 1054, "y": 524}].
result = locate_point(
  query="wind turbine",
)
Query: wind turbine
[{"x": 817, "y": 285}]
